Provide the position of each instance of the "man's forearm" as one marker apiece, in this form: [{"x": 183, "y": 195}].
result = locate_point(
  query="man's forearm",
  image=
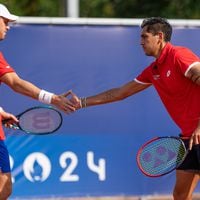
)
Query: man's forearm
[
  {"x": 114, "y": 94},
  {"x": 102, "y": 98},
  {"x": 26, "y": 88}
]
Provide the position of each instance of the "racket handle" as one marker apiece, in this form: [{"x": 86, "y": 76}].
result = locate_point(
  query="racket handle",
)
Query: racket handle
[
  {"x": 5, "y": 121},
  {"x": 13, "y": 126}
]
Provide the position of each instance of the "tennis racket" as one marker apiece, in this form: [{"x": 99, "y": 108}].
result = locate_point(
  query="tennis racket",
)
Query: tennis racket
[
  {"x": 38, "y": 120},
  {"x": 161, "y": 155}
]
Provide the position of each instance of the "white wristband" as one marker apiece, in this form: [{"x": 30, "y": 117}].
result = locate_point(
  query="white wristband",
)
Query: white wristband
[
  {"x": 1, "y": 109},
  {"x": 45, "y": 97}
]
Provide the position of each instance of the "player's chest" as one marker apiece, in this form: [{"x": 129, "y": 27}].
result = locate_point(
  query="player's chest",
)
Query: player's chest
[{"x": 168, "y": 77}]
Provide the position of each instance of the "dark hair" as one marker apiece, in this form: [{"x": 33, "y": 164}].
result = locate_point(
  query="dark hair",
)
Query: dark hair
[{"x": 156, "y": 24}]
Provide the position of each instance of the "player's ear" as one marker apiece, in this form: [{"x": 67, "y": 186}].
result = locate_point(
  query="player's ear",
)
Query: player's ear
[{"x": 161, "y": 35}]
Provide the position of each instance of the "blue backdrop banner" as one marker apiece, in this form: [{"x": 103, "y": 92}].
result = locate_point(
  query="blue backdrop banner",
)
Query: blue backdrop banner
[{"x": 94, "y": 152}]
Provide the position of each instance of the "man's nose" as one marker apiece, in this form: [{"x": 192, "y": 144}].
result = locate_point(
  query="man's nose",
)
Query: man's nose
[{"x": 7, "y": 27}]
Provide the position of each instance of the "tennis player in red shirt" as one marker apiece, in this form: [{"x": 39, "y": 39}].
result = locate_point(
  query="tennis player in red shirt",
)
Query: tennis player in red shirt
[
  {"x": 9, "y": 77},
  {"x": 175, "y": 74}
]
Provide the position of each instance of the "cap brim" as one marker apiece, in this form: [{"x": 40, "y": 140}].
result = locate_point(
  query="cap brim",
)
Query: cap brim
[{"x": 10, "y": 17}]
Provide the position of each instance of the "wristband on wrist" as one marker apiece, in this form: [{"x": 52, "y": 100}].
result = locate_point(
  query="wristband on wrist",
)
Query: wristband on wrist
[
  {"x": 83, "y": 103},
  {"x": 45, "y": 97}
]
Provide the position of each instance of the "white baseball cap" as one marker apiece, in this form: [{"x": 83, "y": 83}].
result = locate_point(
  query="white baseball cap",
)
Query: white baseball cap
[{"x": 6, "y": 14}]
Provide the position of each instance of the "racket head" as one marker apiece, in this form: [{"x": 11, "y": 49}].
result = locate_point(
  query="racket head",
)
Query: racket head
[
  {"x": 40, "y": 120},
  {"x": 161, "y": 155}
]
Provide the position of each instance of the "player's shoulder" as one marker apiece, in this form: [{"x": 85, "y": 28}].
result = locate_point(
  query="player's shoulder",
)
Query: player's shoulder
[
  {"x": 182, "y": 52},
  {"x": 180, "y": 49}
]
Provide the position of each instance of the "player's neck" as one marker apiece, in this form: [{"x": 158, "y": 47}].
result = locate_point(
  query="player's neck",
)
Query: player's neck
[{"x": 161, "y": 47}]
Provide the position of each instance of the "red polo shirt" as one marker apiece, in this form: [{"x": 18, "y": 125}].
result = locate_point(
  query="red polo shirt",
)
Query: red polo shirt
[
  {"x": 4, "y": 68},
  {"x": 179, "y": 94}
]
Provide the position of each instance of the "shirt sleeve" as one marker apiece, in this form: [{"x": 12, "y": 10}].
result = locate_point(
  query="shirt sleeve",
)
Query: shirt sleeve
[
  {"x": 4, "y": 66},
  {"x": 146, "y": 76},
  {"x": 185, "y": 59}
]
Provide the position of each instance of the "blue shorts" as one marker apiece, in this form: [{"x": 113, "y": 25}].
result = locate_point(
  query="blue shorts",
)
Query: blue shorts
[
  {"x": 192, "y": 160},
  {"x": 4, "y": 158}
]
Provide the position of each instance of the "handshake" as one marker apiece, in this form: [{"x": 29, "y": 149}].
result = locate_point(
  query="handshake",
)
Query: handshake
[{"x": 74, "y": 102}]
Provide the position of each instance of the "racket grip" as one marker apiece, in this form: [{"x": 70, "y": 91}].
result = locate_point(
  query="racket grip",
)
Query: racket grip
[
  {"x": 5, "y": 121},
  {"x": 13, "y": 126}
]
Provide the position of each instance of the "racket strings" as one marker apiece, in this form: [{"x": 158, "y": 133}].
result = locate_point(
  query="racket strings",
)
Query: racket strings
[
  {"x": 161, "y": 156},
  {"x": 40, "y": 120}
]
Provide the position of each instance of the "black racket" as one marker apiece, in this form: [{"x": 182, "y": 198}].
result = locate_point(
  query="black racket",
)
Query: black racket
[
  {"x": 38, "y": 120},
  {"x": 161, "y": 155}
]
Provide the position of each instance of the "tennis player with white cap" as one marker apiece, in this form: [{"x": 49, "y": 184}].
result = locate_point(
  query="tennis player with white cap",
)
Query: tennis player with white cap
[
  {"x": 4, "y": 12},
  {"x": 10, "y": 78}
]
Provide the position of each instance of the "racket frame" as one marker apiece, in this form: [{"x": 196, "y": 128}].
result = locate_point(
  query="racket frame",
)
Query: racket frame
[
  {"x": 151, "y": 141},
  {"x": 17, "y": 126}
]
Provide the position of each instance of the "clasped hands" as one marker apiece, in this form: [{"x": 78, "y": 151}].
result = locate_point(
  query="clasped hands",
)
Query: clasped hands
[{"x": 73, "y": 102}]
